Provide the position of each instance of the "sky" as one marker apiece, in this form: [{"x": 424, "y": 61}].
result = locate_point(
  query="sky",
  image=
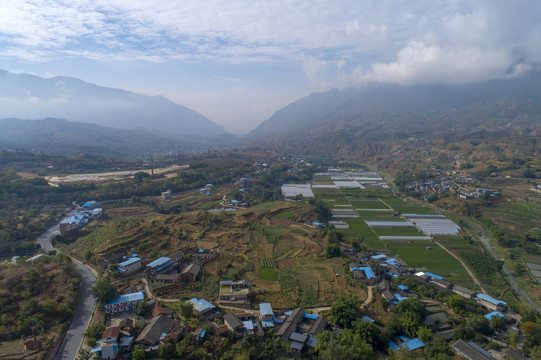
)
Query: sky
[{"x": 237, "y": 62}]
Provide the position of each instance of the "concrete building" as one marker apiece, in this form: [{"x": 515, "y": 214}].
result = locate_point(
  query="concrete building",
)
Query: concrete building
[
  {"x": 266, "y": 315},
  {"x": 129, "y": 266},
  {"x": 124, "y": 302},
  {"x": 202, "y": 307},
  {"x": 490, "y": 302}
]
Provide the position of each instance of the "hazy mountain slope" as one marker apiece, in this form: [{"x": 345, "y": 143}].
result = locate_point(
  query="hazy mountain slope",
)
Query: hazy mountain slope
[
  {"x": 58, "y": 136},
  {"x": 31, "y": 97},
  {"x": 380, "y": 113}
]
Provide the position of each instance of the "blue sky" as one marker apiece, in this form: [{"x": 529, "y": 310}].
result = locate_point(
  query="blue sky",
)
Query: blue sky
[{"x": 238, "y": 62}]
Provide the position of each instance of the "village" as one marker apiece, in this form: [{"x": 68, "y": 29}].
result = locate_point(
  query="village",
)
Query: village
[{"x": 234, "y": 314}]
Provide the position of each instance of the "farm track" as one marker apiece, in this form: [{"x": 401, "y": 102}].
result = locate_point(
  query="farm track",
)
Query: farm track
[{"x": 477, "y": 282}]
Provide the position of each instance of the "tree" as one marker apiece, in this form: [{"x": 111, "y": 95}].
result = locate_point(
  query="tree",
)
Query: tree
[
  {"x": 333, "y": 250},
  {"x": 425, "y": 334},
  {"x": 186, "y": 309},
  {"x": 84, "y": 354},
  {"x": 345, "y": 310},
  {"x": 103, "y": 290},
  {"x": 138, "y": 353},
  {"x": 140, "y": 176},
  {"x": 142, "y": 308},
  {"x": 165, "y": 351},
  {"x": 95, "y": 330}
]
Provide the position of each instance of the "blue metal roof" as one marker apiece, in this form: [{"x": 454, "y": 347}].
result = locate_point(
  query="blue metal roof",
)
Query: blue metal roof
[
  {"x": 158, "y": 262},
  {"x": 490, "y": 299},
  {"x": 368, "y": 272},
  {"x": 127, "y": 298},
  {"x": 489, "y": 316},
  {"x": 381, "y": 256},
  {"x": 89, "y": 204},
  {"x": 434, "y": 275},
  {"x": 366, "y": 318},
  {"x": 409, "y": 344},
  {"x": 310, "y": 316},
  {"x": 266, "y": 309},
  {"x": 403, "y": 288},
  {"x": 130, "y": 261}
]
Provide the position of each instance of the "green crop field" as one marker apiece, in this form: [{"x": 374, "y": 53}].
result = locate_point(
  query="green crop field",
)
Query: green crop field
[
  {"x": 398, "y": 231},
  {"x": 267, "y": 274},
  {"x": 368, "y": 204},
  {"x": 272, "y": 234},
  {"x": 359, "y": 228},
  {"x": 286, "y": 280},
  {"x": 428, "y": 255},
  {"x": 283, "y": 215},
  {"x": 268, "y": 263}
]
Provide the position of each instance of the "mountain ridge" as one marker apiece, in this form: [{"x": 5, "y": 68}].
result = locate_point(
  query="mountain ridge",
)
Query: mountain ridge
[{"x": 31, "y": 97}]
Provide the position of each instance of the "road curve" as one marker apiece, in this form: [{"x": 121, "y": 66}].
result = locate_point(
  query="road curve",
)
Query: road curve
[{"x": 74, "y": 337}]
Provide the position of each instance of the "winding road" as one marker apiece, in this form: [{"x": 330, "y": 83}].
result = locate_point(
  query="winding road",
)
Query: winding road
[{"x": 74, "y": 337}]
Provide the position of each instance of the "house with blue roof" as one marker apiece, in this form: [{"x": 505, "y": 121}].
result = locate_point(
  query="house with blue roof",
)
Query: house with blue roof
[
  {"x": 126, "y": 302},
  {"x": 129, "y": 266},
  {"x": 489, "y": 316},
  {"x": 89, "y": 205},
  {"x": 491, "y": 303},
  {"x": 403, "y": 342},
  {"x": 159, "y": 265}
]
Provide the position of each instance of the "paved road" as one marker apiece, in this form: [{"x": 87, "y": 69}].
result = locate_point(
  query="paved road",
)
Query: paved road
[
  {"x": 44, "y": 239},
  {"x": 83, "y": 314}
]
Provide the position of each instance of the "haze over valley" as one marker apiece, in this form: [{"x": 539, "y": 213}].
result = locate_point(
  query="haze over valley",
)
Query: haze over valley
[{"x": 270, "y": 180}]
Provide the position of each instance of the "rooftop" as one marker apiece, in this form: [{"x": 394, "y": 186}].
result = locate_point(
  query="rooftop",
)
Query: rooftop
[
  {"x": 127, "y": 298},
  {"x": 490, "y": 299},
  {"x": 158, "y": 262},
  {"x": 266, "y": 309},
  {"x": 201, "y": 304},
  {"x": 130, "y": 261}
]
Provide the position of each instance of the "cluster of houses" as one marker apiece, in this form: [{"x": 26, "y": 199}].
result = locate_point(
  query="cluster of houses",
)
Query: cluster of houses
[
  {"x": 170, "y": 269},
  {"x": 207, "y": 190},
  {"x": 118, "y": 340},
  {"x": 452, "y": 181},
  {"x": 86, "y": 212}
]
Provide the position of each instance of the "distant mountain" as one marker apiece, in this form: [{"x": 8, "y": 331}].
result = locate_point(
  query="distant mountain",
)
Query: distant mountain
[
  {"x": 27, "y": 96},
  {"x": 366, "y": 119},
  {"x": 62, "y": 137}
]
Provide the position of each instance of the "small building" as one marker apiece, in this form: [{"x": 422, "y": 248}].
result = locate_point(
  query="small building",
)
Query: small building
[
  {"x": 460, "y": 290},
  {"x": 166, "y": 195},
  {"x": 202, "y": 307},
  {"x": 89, "y": 205},
  {"x": 124, "y": 302},
  {"x": 471, "y": 351},
  {"x": 387, "y": 295},
  {"x": 159, "y": 265},
  {"x": 493, "y": 314},
  {"x": 403, "y": 342},
  {"x": 168, "y": 278},
  {"x": 266, "y": 315},
  {"x": 234, "y": 292},
  {"x": 129, "y": 266},
  {"x": 291, "y": 323},
  {"x": 190, "y": 273},
  {"x": 442, "y": 284},
  {"x": 233, "y": 322},
  {"x": 155, "y": 330},
  {"x": 298, "y": 341},
  {"x": 319, "y": 325},
  {"x": 176, "y": 256},
  {"x": 72, "y": 224},
  {"x": 490, "y": 302}
]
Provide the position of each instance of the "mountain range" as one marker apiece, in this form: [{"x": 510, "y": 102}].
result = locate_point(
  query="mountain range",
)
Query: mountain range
[
  {"x": 83, "y": 117},
  {"x": 26, "y": 96},
  {"x": 381, "y": 113}
]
